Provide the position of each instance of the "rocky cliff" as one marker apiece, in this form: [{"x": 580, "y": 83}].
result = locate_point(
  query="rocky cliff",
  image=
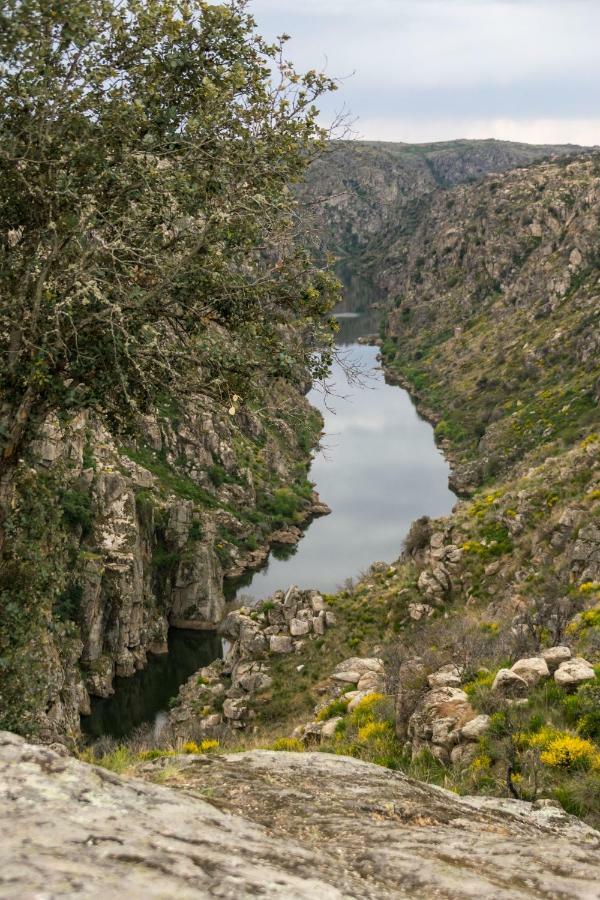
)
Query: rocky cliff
[
  {"x": 138, "y": 534},
  {"x": 483, "y": 639},
  {"x": 364, "y": 194},
  {"x": 494, "y": 319},
  {"x": 309, "y": 825}
]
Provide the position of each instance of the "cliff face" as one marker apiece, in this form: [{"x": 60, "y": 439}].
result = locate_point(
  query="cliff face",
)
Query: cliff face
[
  {"x": 369, "y": 193},
  {"x": 494, "y": 320},
  {"x": 150, "y": 527}
]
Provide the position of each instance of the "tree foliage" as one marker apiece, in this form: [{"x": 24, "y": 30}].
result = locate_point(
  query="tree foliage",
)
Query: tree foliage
[{"x": 147, "y": 219}]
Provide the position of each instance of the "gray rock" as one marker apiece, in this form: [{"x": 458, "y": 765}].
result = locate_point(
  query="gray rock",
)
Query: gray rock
[
  {"x": 554, "y": 656},
  {"x": 476, "y": 728},
  {"x": 510, "y": 684},
  {"x": 447, "y": 676},
  {"x": 280, "y": 643},
  {"x": 310, "y": 826},
  {"x": 573, "y": 672},
  {"x": 532, "y": 670},
  {"x": 298, "y": 627}
]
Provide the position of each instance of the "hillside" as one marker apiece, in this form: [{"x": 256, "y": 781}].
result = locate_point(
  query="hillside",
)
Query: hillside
[
  {"x": 490, "y": 616},
  {"x": 369, "y": 193}
]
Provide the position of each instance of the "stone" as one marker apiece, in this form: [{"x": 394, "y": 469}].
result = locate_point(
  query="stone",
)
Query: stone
[
  {"x": 370, "y": 682},
  {"x": 418, "y": 611},
  {"x": 234, "y": 709},
  {"x": 280, "y": 643},
  {"x": 510, "y": 684},
  {"x": 317, "y": 603},
  {"x": 438, "y": 720},
  {"x": 319, "y": 623},
  {"x": 476, "y": 728},
  {"x": 298, "y": 627},
  {"x": 282, "y": 825},
  {"x": 554, "y": 656},
  {"x": 574, "y": 672},
  {"x": 532, "y": 670},
  {"x": 463, "y": 754},
  {"x": 447, "y": 676},
  {"x": 329, "y": 726}
]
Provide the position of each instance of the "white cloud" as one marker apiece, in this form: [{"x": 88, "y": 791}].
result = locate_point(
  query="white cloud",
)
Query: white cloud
[
  {"x": 530, "y": 131},
  {"x": 531, "y": 66}
]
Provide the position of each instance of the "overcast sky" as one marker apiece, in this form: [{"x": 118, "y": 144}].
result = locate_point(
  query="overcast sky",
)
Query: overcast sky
[{"x": 423, "y": 70}]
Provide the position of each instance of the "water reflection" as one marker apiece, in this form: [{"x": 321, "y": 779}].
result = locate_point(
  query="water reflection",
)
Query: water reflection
[
  {"x": 144, "y": 697},
  {"x": 379, "y": 470}
]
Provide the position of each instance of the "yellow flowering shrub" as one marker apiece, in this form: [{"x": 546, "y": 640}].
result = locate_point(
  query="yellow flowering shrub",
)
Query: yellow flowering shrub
[
  {"x": 374, "y": 731},
  {"x": 567, "y": 751},
  {"x": 289, "y": 745},
  {"x": 481, "y": 762},
  {"x": 202, "y": 747},
  {"x": 364, "y": 711}
]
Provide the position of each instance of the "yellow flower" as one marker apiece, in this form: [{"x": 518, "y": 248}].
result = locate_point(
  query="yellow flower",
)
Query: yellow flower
[
  {"x": 373, "y": 731},
  {"x": 568, "y": 751}
]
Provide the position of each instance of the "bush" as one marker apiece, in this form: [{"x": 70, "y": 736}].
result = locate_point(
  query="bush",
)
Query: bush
[
  {"x": 570, "y": 752},
  {"x": 335, "y": 708},
  {"x": 418, "y": 535},
  {"x": 288, "y": 745}
]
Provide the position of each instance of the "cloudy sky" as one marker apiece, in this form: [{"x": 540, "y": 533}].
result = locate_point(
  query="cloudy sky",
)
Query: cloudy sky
[{"x": 422, "y": 70}]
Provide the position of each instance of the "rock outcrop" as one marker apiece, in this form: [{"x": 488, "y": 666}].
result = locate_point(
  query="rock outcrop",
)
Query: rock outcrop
[
  {"x": 152, "y": 530},
  {"x": 288, "y": 825},
  {"x": 220, "y": 697}
]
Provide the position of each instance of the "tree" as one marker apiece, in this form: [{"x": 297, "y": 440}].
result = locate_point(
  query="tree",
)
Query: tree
[{"x": 147, "y": 220}]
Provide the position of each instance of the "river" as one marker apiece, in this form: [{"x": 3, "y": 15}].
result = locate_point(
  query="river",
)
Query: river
[{"x": 378, "y": 469}]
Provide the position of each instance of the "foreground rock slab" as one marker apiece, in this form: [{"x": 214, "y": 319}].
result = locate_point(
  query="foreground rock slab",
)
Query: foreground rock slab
[{"x": 292, "y": 825}]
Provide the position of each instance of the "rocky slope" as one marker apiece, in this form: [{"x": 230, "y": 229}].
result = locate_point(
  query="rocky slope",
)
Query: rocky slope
[
  {"x": 494, "y": 326},
  {"x": 138, "y": 534},
  {"x": 495, "y": 316},
  {"x": 367, "y": 193},
  {"x": 310, "y": 825}
]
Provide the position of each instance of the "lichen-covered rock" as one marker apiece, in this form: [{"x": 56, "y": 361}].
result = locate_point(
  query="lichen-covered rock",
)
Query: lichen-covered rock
[
  {"x": 476, "y": 728},
  {"x": 554, "y": 656},
  {"x": 510, "y": 684},
  {"x": 438, "y": 720},
  {"x": 532, "y": 670},
  {"x": 574, "y": 672},
  {"x": 287, "y": 825}
]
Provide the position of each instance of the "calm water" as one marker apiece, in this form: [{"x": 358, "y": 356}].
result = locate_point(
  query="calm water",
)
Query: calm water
[
  {"x": 379, "y": 469},
  {"x": 142, "y": 698}
]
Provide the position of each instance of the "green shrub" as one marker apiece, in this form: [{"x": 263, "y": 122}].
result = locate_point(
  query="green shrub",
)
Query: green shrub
[
  {"x": 335, "y": 708},
  {"x": 76, "y": 505}
]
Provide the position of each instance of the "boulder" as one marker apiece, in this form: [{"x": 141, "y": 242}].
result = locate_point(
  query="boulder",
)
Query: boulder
[
  {"x": 438, "y": 720},
  {"x": 554, "y": 656},
  {"x": 299, "y": 627},
  {"x": 234, "y": 709},
  {"x": 532, "y": 670},
  {"x": 418, "y": 611},
  {"x": 351, "y": 670},
  {"x": 329, "y": 727},
  {"x": 277, "y": 825},
  {"x": 574, "y": 672},
  {"x": 510, "y": 684},
  {"x": 370, "y": 681},
  {"x": 476, "y": 728},
  {"x": 447, "y": 676},
  {"x": 280, "y": 643}
]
